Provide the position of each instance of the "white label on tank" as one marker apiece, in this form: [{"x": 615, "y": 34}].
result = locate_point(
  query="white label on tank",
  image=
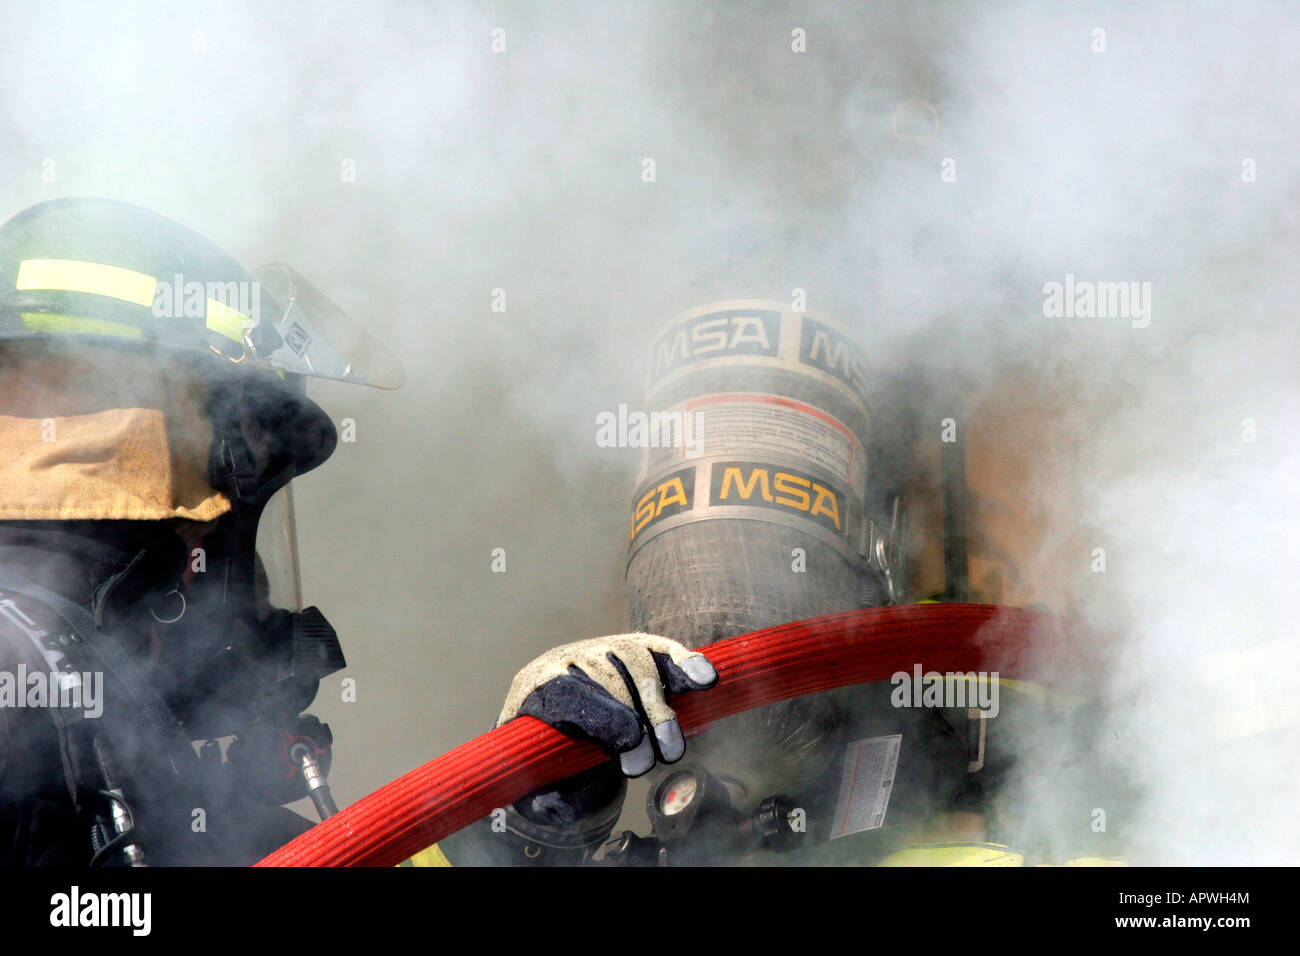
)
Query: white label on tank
[{"x": 868, "y": 781}]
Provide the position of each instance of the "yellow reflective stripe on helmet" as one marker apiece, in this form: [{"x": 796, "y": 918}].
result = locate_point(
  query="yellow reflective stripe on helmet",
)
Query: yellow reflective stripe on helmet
[
  {"x": 114, "y": 282},
  {"x": 226, "y": 321},
  {"x": 69, "y": 275},
  {"x": 954, "y": 854},
  {"x": 53, "y": 322}
]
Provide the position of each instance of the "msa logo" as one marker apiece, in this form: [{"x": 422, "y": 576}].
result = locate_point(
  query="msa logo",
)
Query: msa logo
[
  {"x": 822, "y": 347},
  {"x": 748, "y": 483},
  {"x": 734, "y": 332},
  {"x": 672, "y": 495}
]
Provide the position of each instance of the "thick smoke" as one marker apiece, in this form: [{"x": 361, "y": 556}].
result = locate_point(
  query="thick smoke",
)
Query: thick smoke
[{"x": 410, "y": 171}]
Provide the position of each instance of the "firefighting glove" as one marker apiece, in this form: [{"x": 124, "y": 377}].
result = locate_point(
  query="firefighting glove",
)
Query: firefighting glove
[{"x": 611, "y": 690}]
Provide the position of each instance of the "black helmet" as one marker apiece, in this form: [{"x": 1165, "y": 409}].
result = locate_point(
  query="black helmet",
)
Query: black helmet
[{"x": 106, "y": 273}]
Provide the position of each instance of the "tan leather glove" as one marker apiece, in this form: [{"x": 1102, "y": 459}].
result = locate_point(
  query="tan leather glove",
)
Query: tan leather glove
[{"x": 612, "y": 690}]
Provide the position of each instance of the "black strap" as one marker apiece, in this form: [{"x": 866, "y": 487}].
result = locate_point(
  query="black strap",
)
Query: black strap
[
  {"x": 955, "y": 554},
  {"x": 117, "y": 663},
  {"x": 232, "y": 466}
]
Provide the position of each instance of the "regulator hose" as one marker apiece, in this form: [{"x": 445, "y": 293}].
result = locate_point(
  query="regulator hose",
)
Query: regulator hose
[{"x": 466, "y": 784}]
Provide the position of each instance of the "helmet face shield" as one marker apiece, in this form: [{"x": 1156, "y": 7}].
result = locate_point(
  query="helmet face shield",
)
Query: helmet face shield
[
  {"x": 277, "y": 555},
  {"x": 309, "y": 335}
]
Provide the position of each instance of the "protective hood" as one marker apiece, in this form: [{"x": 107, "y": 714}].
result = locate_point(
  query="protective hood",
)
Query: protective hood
[{"x": 76, "y": 443}]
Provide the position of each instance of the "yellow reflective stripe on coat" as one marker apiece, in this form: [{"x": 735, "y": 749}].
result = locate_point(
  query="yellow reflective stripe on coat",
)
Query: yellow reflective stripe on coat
[
  {"x": 432, "y": 856},
  {"x": 1047, "y": 696},
  {"x": 1093, "y": 861},
  {"x": 954, "y": 854},
  {"x": 977, "y": 854}
]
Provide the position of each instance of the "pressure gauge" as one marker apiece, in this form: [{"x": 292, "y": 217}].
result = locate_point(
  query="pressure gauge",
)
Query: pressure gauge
[
  {"x": 677, "y": 793},
  {"x": 683, "y": 798}
]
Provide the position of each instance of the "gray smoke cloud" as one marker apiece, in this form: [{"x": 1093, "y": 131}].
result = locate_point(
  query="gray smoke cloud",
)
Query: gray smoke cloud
[{"x": 922, "y": 170}]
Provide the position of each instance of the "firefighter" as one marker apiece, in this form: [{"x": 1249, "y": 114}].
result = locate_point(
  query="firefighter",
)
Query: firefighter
[
  {"x": 152, "y": 415},
  {"x": 1021, "y": 784}
]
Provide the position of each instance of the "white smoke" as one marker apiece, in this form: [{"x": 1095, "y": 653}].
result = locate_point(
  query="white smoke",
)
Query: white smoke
[{"x": 409, "y": 170}]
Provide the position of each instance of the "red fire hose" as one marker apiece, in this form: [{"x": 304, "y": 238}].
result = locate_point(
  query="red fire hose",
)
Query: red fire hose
[{"x": 466, "y": 784}]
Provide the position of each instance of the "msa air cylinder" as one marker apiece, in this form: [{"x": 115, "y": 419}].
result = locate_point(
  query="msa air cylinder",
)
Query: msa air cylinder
[{"x": 756, "y": 513}]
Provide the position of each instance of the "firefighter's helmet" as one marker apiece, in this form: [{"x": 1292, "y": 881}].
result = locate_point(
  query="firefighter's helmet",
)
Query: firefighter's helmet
[{"x": 102, "y": 273}]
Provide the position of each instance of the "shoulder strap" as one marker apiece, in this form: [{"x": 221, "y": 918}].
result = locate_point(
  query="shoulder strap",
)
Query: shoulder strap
[
  {"x": 114, "y": 660},
  {"x": 24, "y": 628}
]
